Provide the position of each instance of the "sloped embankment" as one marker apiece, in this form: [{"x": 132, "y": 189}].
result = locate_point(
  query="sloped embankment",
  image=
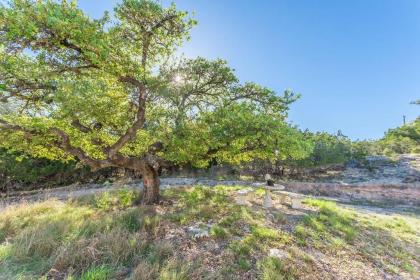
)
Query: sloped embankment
[{"x": 399, "y": 193}]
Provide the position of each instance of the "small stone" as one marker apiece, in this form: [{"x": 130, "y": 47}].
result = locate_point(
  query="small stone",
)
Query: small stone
[
  {"x": 242, "y": 197},
  {"x": 296, "y": 203},
  {"x": 277, "y": 253},
  {"x": 197, "y": 233}
]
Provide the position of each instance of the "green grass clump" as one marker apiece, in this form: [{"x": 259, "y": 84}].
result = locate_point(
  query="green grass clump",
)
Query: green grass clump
[
  {"x": 265, "y": 233},
  {"x": 119, "y": 199},
  {"x": 242, "y": 253},
  {"x": 102, "y": 272},
  {"x": 260, "y": 192},
  {"x": 126, "y": 197},
  {"x": 159, "y": 252},
  {"x": 198, "y": 203},
  {"x": 104, "y": 201},
  {"x": 175, "y": 270},
  {"x": 255, "y": 243},
  {"x": 330, "y": 224},
  {"x": 4, "y": 252},
  {"x": 219, "y": 232},
  {"x": 271, "y": 268},
  {"x": 226, "y": 188},
  {"x": 132, "y": 219},
  {"x": 236, "y": 217},
  {"x": 241, "y": 249},
  {"x": 279, "y": 218}
]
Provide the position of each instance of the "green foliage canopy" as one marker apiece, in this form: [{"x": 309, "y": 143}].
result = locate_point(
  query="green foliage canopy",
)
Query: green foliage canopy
[
  {"x": 401, "y": 140},
  {"x": 111, "y": 92}
]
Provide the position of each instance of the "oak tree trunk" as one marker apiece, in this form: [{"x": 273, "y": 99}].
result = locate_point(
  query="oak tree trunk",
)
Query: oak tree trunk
[{"x": 151, "y": 184}]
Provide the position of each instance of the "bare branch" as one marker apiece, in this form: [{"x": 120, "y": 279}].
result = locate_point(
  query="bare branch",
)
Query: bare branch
[{"x": 66, "y": 145}]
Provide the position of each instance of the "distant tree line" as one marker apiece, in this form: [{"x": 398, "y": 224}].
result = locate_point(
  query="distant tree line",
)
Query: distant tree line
[{"x": 401, "y": 140}]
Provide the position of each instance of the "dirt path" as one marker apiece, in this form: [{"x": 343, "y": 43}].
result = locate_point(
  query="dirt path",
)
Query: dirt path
[{"x": 75, "y": 191}]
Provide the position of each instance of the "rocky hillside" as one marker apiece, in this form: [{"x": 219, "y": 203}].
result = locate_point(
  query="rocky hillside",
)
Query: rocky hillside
[{"x": 383, "y": 170}]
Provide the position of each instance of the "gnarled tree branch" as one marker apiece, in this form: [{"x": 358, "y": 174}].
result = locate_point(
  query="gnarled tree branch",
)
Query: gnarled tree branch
[{"x": 63, "y": 143}]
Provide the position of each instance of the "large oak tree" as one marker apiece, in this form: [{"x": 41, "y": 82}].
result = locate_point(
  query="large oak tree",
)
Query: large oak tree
[{"x": 110, "y": 92}]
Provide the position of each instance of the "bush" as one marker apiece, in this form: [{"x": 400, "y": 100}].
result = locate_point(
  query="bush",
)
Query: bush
[
  {"x": 104, "y": 201},
  {"x": 26, "y": 172},
  {"x": 401, "y": 140},
  {"x": 126, "y": 197}
]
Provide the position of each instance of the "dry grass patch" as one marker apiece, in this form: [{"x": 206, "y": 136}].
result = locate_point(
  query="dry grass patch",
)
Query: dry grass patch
[{"x": 108, "y": 236}]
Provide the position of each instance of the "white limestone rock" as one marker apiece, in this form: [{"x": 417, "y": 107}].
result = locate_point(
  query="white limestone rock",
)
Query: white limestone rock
[
  {"x": 277, "y": 253},
  {"x": 198, "y": 233}
]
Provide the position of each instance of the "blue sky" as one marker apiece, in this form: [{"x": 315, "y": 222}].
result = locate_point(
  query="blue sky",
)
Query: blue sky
[{"x": 356, "y": 63}]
